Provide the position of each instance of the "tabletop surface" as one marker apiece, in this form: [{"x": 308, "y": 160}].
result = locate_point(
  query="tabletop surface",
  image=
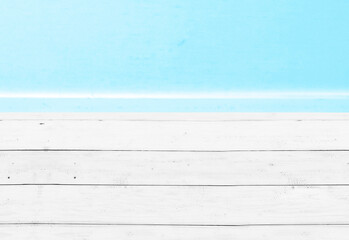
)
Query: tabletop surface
[{"x": 174, "y": 176}]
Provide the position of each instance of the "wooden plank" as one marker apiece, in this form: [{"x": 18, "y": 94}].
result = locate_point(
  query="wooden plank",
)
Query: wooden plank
[
  {"x": 174, "y": 168},
  {"x": 187, "y": 136},
  {"x": 39, "y": 232},
  {"x": 175, "y": 116},
  {"x": 174, "y": 205}
]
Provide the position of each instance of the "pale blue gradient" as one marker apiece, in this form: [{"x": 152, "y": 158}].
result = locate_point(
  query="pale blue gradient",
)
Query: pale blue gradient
[
  {"x": 173, "y": 46},
  {"x": 173, "y": 105}
]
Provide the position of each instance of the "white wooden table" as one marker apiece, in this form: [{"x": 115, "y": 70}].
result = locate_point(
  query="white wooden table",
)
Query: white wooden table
[{"x": 174, "y": 176}]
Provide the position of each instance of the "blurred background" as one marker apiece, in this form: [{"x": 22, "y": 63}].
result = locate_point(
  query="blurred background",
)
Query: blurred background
[{"x": 172, "y": 48}]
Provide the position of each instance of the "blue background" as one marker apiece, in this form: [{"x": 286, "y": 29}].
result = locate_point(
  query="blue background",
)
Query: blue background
[
  {"x": 117, "y": 46},
  {"x": 174, "y": 46}
]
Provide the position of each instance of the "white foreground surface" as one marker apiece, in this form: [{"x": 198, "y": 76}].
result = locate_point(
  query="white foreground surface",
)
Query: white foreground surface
[{"x": 174, "y": 176}]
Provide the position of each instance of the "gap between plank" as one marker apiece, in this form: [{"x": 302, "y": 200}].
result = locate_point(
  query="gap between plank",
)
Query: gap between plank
[
  {"x": 169, "y": 150},
  {"x": 172, "y": 185},
  {"x": 174, "y": 225},
  {"x": 159, "y": 120}
]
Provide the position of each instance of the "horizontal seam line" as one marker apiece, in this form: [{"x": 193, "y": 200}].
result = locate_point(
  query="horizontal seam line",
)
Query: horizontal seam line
[
  {"x": 151, "y": 120},
  {"x": 177, "y": 225},
  {"x": 175, "y": 185},
  {"x": 167, "y": 150}
]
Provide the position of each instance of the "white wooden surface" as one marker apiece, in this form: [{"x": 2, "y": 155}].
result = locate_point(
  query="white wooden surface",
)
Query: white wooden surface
[
  {"x": 175, "y": 168},
  {"x": 93, "y": 232},
  {"x": 174, "y": 135},
  {"x": 174, "y": 176},
  {"x": 175, "y": 205}
]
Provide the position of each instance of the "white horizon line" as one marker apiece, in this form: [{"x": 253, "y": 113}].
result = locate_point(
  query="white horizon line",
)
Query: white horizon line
[{"x": 216, "y": 95}]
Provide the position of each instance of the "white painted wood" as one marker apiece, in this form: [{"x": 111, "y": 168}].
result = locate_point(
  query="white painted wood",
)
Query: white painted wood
[
  {"x": 174, "y": 168},
  {"x": 175, "y": 116},
  {"x": 149, "y": 135},
  {"x": 38, "y": 232},
  {"x": 174, "y": 205},
  {"x": 174, "y": 149}
]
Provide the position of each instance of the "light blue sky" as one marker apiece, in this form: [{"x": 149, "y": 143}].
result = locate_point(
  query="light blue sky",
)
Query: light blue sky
[{"x": 123, "y": 46}]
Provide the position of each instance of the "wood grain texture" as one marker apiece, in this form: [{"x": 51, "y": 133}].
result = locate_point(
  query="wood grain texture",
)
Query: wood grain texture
[
  {"x": 174, "y": 168},
  {"x": 174, "y": 205},
  {"x": 175, "y": 136},
  {"x": 174, "y": 176},
  {"x": 38, "y": 232}
]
